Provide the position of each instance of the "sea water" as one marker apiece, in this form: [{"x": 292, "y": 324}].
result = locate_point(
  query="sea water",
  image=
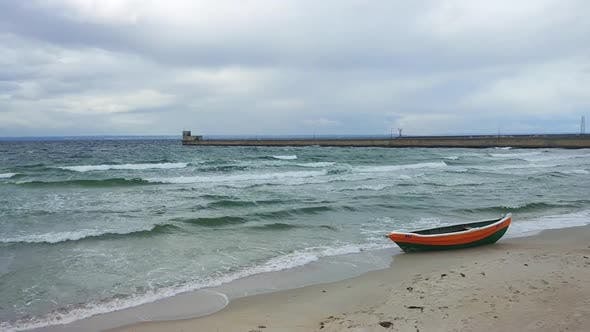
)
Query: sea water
[{"x": 92, "y": 226}]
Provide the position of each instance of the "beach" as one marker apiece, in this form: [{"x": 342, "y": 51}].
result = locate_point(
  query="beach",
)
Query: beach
[{"x": 536, "y": 283}]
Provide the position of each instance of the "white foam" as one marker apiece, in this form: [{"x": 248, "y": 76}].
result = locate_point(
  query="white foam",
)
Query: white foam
[
  {"x": 393, "y": 168},
  {"x": 56, "y": 237},
  {"x": 287, "y": 157},
  {"x": 452, "y": 157},
  {"x": 536, "y": 225},
  {"x": 376, "y": 187},
  {"x": 316, "y": 164},
  {"x": 7, "y": 175},
  {"x": 89, "y": 168},
  {"x": 243, "y": 177},
  {"x": 575, "y": 171},
  {"x": 514, "y": 155}
]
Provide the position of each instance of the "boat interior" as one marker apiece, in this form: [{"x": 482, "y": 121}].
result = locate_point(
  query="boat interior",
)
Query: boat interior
[{"x": 456, "y": 228}]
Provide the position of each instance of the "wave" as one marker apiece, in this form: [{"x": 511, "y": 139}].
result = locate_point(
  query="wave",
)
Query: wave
[
  {"x": 367, "y": 187},
  {"x": 318, "y": 164},
  {"x": 278, "y": 226},
  {"x": 515, "y": 155},
  {"x": 212, "y": 221},
  {"x": 535, "y": 225},
  {"x": 292, "y": 212},
  {"x": 274, "y": 227},
  {"x": 88, "y": 234},
  {"x": 528, "y": 207},
  {"x": 214, "y": 197},
  {"x": 287, "y": 157},
  {"x": 224, "y": 168},
  {"x": 392, "y": 168},
  {"x": 575, "y": 171},
  {"x": 226, "y": 203},
  {"x": 340, "y": 169},
  {"x": 115, "y": 182},
  {"x": 278, "y": 176},
  {"x": 89, "y": 168},
  {"x": 7, "y": 175}
]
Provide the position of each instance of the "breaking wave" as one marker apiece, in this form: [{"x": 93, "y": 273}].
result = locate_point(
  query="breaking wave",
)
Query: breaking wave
[
  {"x": 319, "y": 164},
  {"x": 212, "y": 221},
  {"x": 89, "y": 168},
  {"x": 393, "y": 168},
  {"x": 227, "y": 203},
  {"x": 278, "y": 226},
  {"x": 6, "y": 175},
  {"x": 528, "y": 207},
  {"x": 115, "y": 182},
  {"x": 277, "y": 176},
  {"x": 88, "y": 234},
  {"x": 291, "y": 212},
  {"x": 287, "y": 157}
]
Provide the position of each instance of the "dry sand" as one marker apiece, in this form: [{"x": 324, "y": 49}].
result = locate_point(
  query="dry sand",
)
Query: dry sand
[{"x": 538, "y": 283}]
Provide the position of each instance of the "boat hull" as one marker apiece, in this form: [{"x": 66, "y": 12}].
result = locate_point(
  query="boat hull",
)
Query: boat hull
[{"x": 413, "y": 242}]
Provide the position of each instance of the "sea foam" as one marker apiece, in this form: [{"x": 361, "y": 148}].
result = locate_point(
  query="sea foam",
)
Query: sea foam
[
  {"x": 244, "y": 177},
  {"x": 58, "y": 237},
  {"x": 393, "y": 168},
  {"x": 536, "y": 225},
  {"x": 6, "y": 175},
  {"x": 287, "y": 157},
  {"x": 89, "y": 168}
]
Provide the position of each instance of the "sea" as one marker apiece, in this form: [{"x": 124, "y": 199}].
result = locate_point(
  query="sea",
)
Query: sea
[{"x": 90, "y": 226}]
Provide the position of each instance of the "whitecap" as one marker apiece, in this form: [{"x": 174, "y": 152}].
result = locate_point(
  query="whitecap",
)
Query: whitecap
[
  {"x": 514, "y": 155},
  {"x": 316, "y": 164},
  {"x": 575, "y": 171},
  {"x": 252, "y": 177},
  {"x": 7, "y": 175},
  {"x": 392, "y": 168},
  {"x": 88, "y": 168},
  {"x": 287, "y": 157},
  {"x": 57, "y": 237}
]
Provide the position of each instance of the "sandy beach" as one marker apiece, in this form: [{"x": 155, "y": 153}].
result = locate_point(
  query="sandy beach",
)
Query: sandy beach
[{"x": 536, "y": 283}]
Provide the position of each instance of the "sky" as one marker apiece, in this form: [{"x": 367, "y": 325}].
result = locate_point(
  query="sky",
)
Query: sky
[{"x": 285, "y": 67}]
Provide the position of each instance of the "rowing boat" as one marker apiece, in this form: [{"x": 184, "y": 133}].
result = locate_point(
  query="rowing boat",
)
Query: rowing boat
[{"x": 453, "y": 237}]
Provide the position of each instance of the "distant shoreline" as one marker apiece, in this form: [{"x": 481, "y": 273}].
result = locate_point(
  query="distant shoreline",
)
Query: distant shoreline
[{"x": 567, "y": 141}]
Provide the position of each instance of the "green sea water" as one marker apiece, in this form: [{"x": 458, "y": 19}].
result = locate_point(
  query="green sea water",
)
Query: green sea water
[{"x": 92, "y": 226}]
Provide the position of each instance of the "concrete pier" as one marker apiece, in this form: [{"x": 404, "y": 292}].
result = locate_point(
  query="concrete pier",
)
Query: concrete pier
[{"x": 568, "y": 141}]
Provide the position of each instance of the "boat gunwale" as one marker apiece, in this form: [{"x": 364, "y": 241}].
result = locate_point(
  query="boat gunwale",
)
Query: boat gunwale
[{"x": 477, "y": 229}]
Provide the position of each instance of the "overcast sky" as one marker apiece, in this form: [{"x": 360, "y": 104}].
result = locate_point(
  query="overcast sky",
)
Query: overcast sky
[{"x": 75, "y": 67}]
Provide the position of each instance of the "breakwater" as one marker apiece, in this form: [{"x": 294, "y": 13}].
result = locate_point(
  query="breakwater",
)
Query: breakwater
[{"x": 568, "y": 141}]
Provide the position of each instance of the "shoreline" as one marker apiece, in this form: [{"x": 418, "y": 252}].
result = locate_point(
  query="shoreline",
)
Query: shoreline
[
  {"x": 518, "y": 283},
  {"x": 210, "y": 302}
]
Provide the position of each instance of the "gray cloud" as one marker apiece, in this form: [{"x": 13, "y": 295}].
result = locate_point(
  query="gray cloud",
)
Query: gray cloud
[{"x": 292, "y": 67}]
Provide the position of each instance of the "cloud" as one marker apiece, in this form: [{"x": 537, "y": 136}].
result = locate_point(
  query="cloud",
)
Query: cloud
[
  {"x": 539, "y": 89},
  {"x": 291, "y": 67}
]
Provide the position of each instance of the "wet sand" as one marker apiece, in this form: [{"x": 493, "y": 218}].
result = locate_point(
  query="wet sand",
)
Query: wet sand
[{"x": 537, "y": 283}]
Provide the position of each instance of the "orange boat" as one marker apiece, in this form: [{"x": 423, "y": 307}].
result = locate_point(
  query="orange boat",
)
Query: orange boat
[{"x": 453, "y": 237}]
